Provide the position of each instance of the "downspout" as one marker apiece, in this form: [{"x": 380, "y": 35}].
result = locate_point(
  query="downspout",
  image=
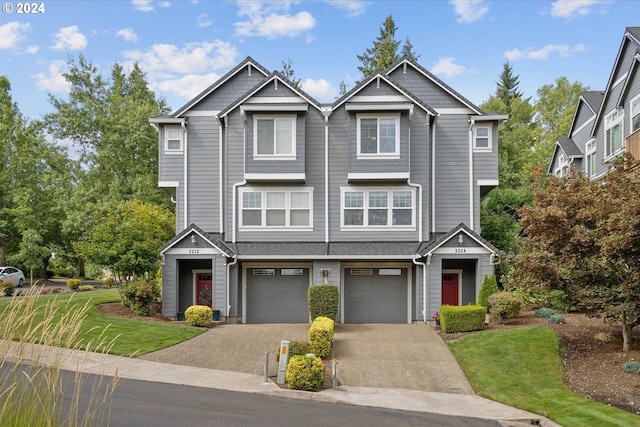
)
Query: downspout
[
  {"x": 424, "y": 286},
  {"x": 434, "y": 127},
  {"x": 471, "y": 174},
  {"x": 326, "y": 177},
  {"x": 243, "y": 182},
  {"x": 185, "y": 222},
  {"x": 415, "y": 184},
  {"x": 220, "y": 174},
  {"x": 229, "y": 265}
]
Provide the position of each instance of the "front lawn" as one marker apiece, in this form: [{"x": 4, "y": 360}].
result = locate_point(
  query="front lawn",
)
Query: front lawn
[
  {"x": 123, "y": 337},
  {"x": 521, "y": 367}
]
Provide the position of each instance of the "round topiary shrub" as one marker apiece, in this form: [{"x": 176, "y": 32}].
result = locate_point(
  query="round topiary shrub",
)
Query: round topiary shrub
[
  {"x": 198, "y": 315},
  {"x": 305, "y": 373}
]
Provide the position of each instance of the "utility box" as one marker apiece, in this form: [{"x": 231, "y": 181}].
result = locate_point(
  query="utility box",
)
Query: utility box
[{"x": 284, "y": 360}]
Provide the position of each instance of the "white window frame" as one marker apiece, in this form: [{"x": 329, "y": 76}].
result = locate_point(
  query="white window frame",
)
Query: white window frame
[
  {"x": 288, "y": 208},
  {"x": 611, "y": 120},
  {"x": 562, "y": 168},
  {"x": 378, "y": 155},
  {"x": 489, "y": 137},
  {"x": 366, "y": 192},
  {"x": 275, "y": 156},
  {"x": 169, "y": 150},
  {"x": 590, "y": 158},
  {"x": 634, "y": 112}
]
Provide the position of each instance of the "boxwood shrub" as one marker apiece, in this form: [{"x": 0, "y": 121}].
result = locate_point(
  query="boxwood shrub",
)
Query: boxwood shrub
[
  {"x": 463, "y": 318},
  {"x": 321, "y": 336},
  {"x": 305, "y": 373},
  {"x": 323, "y": 301},
  {"x": 198, "y": 315}
]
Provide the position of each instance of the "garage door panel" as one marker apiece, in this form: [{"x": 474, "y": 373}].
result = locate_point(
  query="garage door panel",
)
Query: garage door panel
[
  {"x": 375, "y": 298},
  {"x": 276, "y": 298}
]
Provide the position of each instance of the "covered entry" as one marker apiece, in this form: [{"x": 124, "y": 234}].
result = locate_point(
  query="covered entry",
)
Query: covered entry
[
  {"x": 276, "y": 294},
  {"x": 376, "y": 294}
]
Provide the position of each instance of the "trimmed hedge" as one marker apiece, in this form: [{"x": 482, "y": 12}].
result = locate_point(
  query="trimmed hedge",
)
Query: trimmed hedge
[
  {"x": 463, "y": 318},
  {"x": 321, "y": 336},
  {"x": 323, "y": 301},
  {"x": 198, "y": 315},
  {"x": 73, "y": 284},
  {"x": 305, "y": 373}
]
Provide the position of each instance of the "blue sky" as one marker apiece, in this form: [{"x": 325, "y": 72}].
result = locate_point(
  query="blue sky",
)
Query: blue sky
[{"x": 184, "y": 46}]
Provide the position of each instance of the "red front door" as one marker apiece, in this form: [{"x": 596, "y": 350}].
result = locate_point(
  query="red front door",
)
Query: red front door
[
  {"x": 204, "y": 294},
  {"x": 450, "y": 288}
]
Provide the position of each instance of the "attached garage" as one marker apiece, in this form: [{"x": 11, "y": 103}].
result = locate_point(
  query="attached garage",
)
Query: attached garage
[
  {"x": 276, "y": 294},
  {"x": 376, "y": 295}
]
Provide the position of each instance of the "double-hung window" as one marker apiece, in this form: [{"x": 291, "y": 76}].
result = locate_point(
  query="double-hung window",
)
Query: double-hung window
[
  {"x": 613, "y": 132},
  {"x": 591, "y": 158},
  {"x": 378, "y": 135},
  {"x": 482, "y": 138},
  {"x": 274, "y": 136},
  {"x": 634, "y": 111},
  {"x": 173, "y": 139},
  {"x": 276, "y": 208},
  {"x": 377, "y": 208}
]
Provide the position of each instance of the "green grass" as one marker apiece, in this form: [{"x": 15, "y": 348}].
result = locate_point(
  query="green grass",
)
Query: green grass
[
  {"x": 521, "y": 368},
  {"x": 125, "y": 337}
]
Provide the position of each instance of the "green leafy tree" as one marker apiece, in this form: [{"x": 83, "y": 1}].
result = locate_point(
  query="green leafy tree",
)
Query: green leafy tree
[{"x": 384, "y": 51}]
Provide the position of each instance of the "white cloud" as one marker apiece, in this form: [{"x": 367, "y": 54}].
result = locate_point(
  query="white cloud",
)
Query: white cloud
[
  {"x": 168, "y": 59},
  {"x": 272, "y": 20},
  {"x": 570, "y": 9},
  {"x": 11, "y": 33},
  {"x": 446, "y": 67},
  {"x": 187, "y": 86},
  {"x": 142, "y": 5},
  {"x": 53, "y": 81},
  {"x": 70, "y": 38},
  {"x": 319, "y": 89},
  {"x": 469, "y": 11},
  {"x": 543, "y": 53},
  {"x": 204, "y": 21},
  {"x": 353, "y": 7},
  {"x": 33, "y": 49},
  {"x": 128, "y": 34}
]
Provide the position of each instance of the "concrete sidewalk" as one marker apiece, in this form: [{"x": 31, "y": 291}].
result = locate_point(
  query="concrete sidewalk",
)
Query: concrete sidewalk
[{"x": 454, "y": 404}]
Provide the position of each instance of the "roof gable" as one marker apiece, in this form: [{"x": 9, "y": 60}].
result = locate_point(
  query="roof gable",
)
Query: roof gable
[
  {"x": 460, "y": 230},
  {"x": 210, "y": 240}
]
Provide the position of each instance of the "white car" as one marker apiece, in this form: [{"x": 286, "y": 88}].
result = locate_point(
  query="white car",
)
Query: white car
[{"x": 13, "y": 275}]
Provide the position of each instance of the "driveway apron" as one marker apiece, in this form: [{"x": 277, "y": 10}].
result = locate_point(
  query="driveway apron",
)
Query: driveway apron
[{"x": 401, "y": 356}]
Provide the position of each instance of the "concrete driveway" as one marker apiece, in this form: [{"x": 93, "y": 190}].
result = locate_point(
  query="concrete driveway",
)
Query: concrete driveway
[{"x": 398, "y": 356}]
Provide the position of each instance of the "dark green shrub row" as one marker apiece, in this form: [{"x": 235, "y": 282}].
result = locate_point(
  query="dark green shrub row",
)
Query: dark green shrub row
[
  {"x": 462, "y": 318},
  {"x": 305, "y": 373},
  {"x": 504, "y": 305},
  {"x": 323, "y": 301},
  {"x": 321, "y": 336},
  {"x": 139, "y": 296}
]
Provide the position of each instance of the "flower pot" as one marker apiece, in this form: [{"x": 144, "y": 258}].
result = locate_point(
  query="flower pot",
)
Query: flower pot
[{"x": 216, "y": 315}]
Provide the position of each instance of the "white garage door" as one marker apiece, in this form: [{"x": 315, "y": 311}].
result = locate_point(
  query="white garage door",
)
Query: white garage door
[
  {"x": 277, "y": 295},
  {"x": 375, "y": 295}
]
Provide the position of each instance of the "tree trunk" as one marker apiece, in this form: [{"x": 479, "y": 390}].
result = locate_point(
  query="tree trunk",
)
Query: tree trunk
[
  {"x": 2, "y": 261},
  {"x": 626, "y": 336}
]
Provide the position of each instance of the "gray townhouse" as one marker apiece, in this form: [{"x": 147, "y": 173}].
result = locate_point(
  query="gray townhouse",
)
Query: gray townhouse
[
  {"x": 377, "y": 193},
  {"x": 605, "y": 123}
]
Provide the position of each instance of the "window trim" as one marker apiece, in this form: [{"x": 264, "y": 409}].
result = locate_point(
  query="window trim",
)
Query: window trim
[
  {"x": 611, "y": 120},
  {"x": 390, "y": 208},
  {"x": 168, "y": 150},
  {"x": 377, "y": 116},
  {"x": 274, "y": 156},
  {"x": 263, "y": 208},
  {"x": 633, "y": 113},
  {"x": 489, "y": 146},
  {"x": 590, "y": 155},
  {"x": 562, "y": 168}
]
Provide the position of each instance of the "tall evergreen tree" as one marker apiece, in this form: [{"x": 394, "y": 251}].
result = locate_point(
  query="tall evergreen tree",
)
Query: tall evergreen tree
[
  {"x": 507, "y": 86},
  {"x": 289, "y": 73}
]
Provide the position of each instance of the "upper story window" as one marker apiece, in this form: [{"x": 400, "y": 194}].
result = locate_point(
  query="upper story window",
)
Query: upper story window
[
  {"x": 613, "y": 142},
  {"x": 591, "y": 158},
  {"x": 634, "y": 111},
  {"x": 482, "y": 138},
  {"x": 173, "y": 139},
  {"x": 276, "y": 208},
  {"x": 274, "y": 136},
  {"x": 562, "y": 168},
  {"x": 379, "y": 135},
  {"x": 378, "y": 208}
]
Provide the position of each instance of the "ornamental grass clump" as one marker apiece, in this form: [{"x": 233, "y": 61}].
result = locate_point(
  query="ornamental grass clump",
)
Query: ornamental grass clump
[
  {"x": 305, "y": 373},
  {"x": 32, "y": 392},
  {"x": 198, "y": 315}
]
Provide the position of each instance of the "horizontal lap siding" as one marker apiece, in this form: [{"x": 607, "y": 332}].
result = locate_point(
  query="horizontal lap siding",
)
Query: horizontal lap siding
[
  {"x": 203, "y": 147},
  {"x": 429, "y": 92},
  {"x": 452, "y": 172},
  {"x": 230, "y": 91},
  {"x": 420, "y": 170}
]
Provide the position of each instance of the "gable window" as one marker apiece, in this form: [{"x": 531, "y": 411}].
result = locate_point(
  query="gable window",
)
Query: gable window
[
  {"x": 276, "y": 208},
  {"x": 482, "y": 138},
  {"x": 562, "y": 168},
  {"x": 591, "y": 158},
  {"x": 613, "y": 132},
  {"x": 173, "y": 139},
  {"x": 635, "y": 114},
  {"x": 377, "y": 208},
  {"x": 378, "y": 135},
  {"x": 275, "y": 136}
]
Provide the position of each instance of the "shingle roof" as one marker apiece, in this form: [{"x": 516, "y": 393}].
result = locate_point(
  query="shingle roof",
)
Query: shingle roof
[
  {"x": 569, "y": 147},
  {"x": 433, "y": 245}
]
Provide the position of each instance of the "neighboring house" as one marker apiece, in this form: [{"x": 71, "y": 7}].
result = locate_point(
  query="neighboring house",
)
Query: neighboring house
[
  {"x": 377, "y": 194},
  {"x": 605, "y": 124}
]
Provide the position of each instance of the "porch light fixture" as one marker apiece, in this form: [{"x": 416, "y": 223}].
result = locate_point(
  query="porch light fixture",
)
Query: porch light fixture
[
  {"x": 460, "y": 239},
  {"x": 193, "y": 240}
]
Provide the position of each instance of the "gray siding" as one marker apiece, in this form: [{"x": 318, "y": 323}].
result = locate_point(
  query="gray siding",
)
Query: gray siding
[
  {"x": 230, "y": 91},
  {"x": 425, "y": 89}
]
